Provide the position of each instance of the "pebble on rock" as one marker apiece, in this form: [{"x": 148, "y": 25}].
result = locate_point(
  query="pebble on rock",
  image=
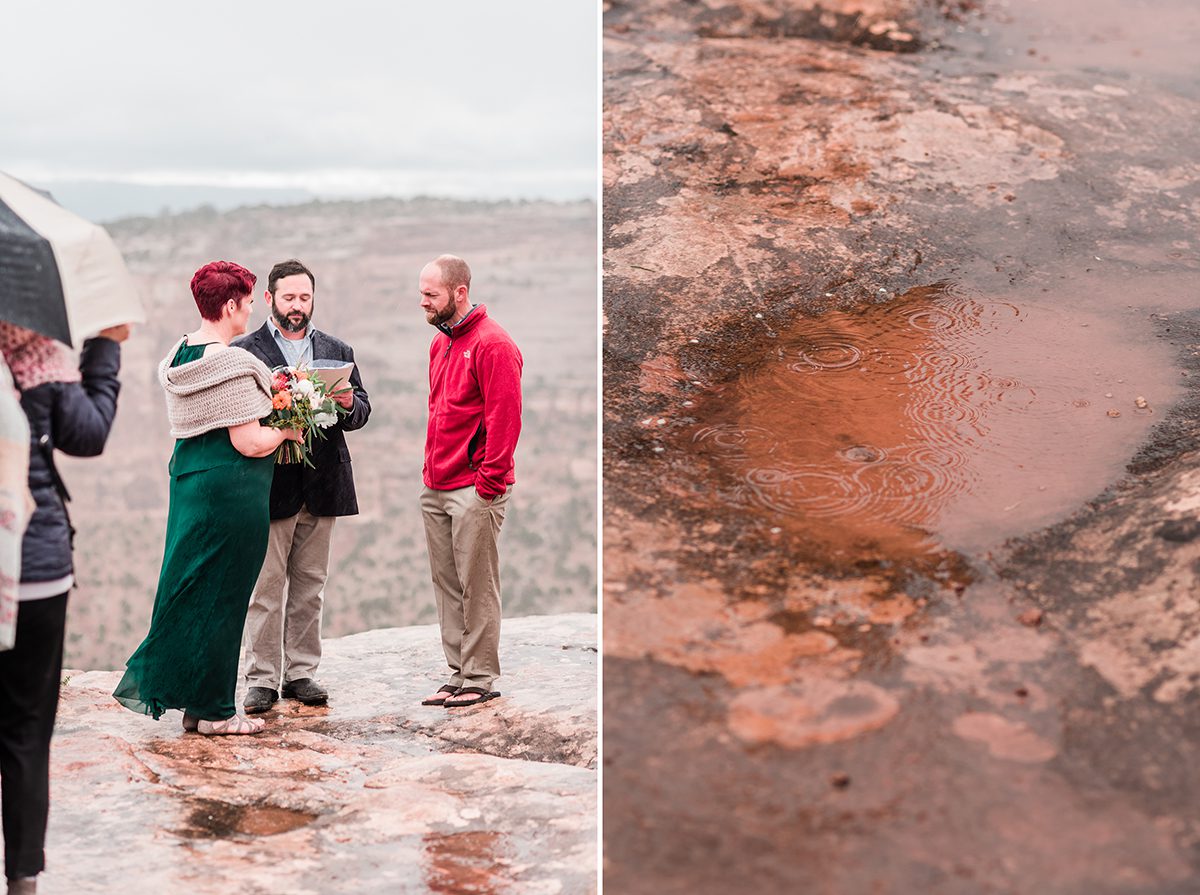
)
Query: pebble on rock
[{"x": 1031, "y": 617}]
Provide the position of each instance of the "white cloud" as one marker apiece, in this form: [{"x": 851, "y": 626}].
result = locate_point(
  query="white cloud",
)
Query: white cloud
[{"x": 350, "y": 96}]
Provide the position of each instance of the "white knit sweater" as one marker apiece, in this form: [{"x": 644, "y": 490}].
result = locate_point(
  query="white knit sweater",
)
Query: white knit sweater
[{"x": 223, "y": 388}]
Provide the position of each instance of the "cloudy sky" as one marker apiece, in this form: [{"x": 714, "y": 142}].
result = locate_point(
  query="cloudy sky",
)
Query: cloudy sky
[{"x": 344, "y": 98}]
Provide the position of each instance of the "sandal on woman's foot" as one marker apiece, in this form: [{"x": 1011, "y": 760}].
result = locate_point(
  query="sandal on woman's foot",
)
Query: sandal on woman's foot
[
  {"x": 464, "y": 697},
  {"x": 235, "y": 726},
  {"x": 440, "y": 697},
  {"x": 190, "y": 723}
]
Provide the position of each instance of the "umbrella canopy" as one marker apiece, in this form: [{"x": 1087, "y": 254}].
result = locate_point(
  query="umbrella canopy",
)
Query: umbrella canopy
[{"x": 59, "y": 274}]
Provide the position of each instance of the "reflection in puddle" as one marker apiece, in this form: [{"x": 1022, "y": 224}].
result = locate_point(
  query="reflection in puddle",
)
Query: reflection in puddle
[
  {"x": 464, "y": 862},
  {"x": 213, "y": 819},
  {"x": 937, "y": 420}
]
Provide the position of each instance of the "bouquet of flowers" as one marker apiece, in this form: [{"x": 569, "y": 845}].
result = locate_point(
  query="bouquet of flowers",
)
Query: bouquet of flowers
[{"x": 301, "y": 400}]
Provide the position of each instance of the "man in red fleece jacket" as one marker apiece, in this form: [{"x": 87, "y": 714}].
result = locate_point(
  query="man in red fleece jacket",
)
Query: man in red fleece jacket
[{"x": 474, "y": 423}]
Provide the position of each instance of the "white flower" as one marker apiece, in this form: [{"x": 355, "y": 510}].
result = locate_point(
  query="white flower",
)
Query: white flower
[
  {"x": 303, "y": 387},
  {"x": 324, "y": 420}
]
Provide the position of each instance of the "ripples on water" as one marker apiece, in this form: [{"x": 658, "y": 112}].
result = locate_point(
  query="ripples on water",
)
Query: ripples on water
[{"x": 892, "y": 414}]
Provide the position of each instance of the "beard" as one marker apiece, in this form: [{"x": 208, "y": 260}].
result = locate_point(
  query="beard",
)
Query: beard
[
  {"x": 296, "y": 322},
  {"x": 433, "y": 316}
]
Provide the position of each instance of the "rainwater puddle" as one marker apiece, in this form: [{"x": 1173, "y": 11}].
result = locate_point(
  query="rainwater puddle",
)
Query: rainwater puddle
[
  {"x": 212, "y": 819},
  {"x": 938, "y": 420},
  {"x": 463, "y": 862}
]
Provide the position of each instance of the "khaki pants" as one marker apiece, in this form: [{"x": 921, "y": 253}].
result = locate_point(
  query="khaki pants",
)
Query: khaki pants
[
  {"x": 283, "y": 623},
  {"x": 462, "y": 529}
]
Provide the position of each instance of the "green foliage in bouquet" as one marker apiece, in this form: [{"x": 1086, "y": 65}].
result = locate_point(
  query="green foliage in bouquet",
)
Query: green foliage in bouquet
[{"x": 301, "y": 400}]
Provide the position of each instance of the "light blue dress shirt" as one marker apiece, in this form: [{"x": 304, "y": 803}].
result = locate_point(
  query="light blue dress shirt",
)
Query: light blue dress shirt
[{"x": 295, "y": 351}]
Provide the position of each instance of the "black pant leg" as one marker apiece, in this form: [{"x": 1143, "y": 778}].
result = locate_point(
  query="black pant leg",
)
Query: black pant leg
[{"x": 29, "y": 686}]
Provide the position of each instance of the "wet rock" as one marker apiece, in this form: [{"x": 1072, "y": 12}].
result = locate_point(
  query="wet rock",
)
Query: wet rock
[
  {"x": 373, "y": 793},
  {"x": 751, "y": 169},
  {"x": 1003, "y": 738},
  {"x": 879, "y": 24},
  {"x": 814, "y": 711},
  {"x": 1180, "y": 531}
]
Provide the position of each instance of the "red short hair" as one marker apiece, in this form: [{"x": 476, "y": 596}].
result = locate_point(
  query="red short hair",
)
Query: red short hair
[{"x": 218, "y": 282}]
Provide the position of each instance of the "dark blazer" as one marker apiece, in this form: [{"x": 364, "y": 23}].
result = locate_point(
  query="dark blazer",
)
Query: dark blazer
[
  {"x": 75, "y": 418},
  {"x": 327, "y": 490}
]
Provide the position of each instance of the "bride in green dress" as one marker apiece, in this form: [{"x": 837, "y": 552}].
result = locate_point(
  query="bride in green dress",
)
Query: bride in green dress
[{"x": 218, "y": 519}]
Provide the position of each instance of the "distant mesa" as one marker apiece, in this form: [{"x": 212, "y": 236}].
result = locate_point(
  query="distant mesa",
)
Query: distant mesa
[{"x": 102, "y": 201}]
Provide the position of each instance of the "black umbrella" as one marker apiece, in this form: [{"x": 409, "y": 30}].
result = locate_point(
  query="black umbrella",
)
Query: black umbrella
[{"x": 59, "y": 274}]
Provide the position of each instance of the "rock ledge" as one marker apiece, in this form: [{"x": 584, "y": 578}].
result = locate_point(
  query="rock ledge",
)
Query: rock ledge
[{"x": 372, "y": 793}]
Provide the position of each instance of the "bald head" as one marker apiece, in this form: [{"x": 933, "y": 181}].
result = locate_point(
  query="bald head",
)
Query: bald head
[
  {"x": 454, "y": 272},
  {"x": 444, "y": 285}
]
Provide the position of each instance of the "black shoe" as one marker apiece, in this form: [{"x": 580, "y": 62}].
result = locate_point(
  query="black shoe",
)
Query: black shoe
[
  {"x": 258, "y": 700},
  {"x": 306, "y": 690}
]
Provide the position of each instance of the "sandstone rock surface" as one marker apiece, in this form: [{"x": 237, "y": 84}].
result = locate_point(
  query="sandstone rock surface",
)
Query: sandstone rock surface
[{"x": 372, "y": 793}]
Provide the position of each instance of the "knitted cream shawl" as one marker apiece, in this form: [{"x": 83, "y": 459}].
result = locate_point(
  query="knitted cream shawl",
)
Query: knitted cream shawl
[{"x": 223, "y": 388}]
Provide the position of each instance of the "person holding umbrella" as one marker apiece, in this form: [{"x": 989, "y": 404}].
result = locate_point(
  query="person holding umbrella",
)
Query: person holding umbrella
[
  {"x": 218, "y": 519},
  {"x": 69, "y": 408},
  {"x": 62, "y": 282},
  {"x": 15, "y": 502}
]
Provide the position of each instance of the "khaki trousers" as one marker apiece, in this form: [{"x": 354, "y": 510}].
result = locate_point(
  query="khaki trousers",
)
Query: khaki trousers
[
  {"x": 283, "y": 623},
  {"x": 461, "y": 530}
]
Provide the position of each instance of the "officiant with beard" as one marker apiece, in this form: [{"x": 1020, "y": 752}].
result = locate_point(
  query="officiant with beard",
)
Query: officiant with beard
[{"x": 283, "y": 624}]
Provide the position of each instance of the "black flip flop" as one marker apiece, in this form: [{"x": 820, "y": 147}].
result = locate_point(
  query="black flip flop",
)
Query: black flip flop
[
  {"x": 448, "y": 689},
  {"x": 484, "y": 696}
]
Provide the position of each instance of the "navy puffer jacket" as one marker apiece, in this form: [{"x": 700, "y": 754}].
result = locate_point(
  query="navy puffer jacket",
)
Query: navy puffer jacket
[{"x": 75, "y": 418}]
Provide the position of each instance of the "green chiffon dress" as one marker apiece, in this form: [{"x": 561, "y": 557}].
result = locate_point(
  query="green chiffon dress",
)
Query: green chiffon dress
[{"x": 218, "y": 522}]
